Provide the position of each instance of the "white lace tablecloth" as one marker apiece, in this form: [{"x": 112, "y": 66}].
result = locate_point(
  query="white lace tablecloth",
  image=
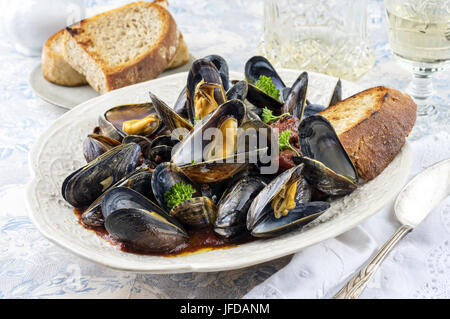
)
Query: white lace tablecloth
[{"x": 32, "y": 267}]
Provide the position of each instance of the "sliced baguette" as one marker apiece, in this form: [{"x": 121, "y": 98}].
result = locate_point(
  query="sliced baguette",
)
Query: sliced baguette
[
  {"x": 54, "y": 67},
  {"x": 124, "y": 46},
  {"x": 372, "y": 126}
]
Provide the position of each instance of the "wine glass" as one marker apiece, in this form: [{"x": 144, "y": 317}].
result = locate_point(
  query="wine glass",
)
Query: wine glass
[{"x": 419, "y": 35}]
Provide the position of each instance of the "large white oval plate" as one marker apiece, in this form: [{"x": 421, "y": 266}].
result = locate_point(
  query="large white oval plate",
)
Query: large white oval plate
[{"x": 58, "y": 152}]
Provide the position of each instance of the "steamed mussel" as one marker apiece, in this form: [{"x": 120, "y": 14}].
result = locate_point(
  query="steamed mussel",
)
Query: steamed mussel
[
  {"x": 181, "y": 197},
  {"x": 86, "y": 184},
  {"x": 135, "y": 220},
  {"x": 285, "y": 204},
  {"x": 327, "y": 164},
  {"x": 158, "y": 175}
]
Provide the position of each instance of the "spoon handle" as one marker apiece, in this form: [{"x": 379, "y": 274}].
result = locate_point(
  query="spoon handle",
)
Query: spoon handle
[{"x": 356, "y": 285}]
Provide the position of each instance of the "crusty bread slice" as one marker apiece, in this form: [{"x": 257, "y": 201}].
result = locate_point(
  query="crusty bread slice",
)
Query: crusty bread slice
[
  {"x": 56, "y": 70},
  {"x": 372, "y": 126},
  {"x": 181, "y": 56},
  {"x": 124, "y": 46},
  {"x": 54, "y": 67}
]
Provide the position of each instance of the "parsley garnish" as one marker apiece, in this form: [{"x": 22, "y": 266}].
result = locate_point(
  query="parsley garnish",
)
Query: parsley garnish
[
  {"x": 178, "y": 193},
  {"x": 269, "y": 117},
  {"x": 265, "y": 84},
  {"x": 283, "y": 141}
]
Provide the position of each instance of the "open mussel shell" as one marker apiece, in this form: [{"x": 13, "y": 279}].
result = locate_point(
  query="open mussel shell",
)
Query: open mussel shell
[
  {"x": 199, "y": 211},
  {"x": 296, "y": 100},
  {"x": 319, "y": 142},
  {"x": 238, "y": 91},
  {"x": 139, "y": 181},
  {"x": 115, "y": 117},
  {"x": 133, "y": 219},
  {"x": 204, "y": 90},
  {"x": 261, "y": 205},
  {"x": 144, "y": 142},
  {"x": 170, "y": 118},
  {"x": 192, "y": 147},
  {"x": 302, "y": 214},
  {"x": 86, "y": 184},
  {"x": 198, "y": 155},
  {"x": 180, "y": 106},
  {"x": 336, "y": 96},
  {"x": 222, "y": 66},
  {"x": 161, "y": 149},
  {"x": 95, "y": 145},
  {"x": 254, "y": 68},
  {"x": 325, "y": 179},
  {"x": 313, "y": 109},
  {"x": 233, "y": 207}
]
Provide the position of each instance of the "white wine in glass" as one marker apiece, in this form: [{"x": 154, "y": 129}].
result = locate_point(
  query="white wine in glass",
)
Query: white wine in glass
[{"x": 419, "y": 35}]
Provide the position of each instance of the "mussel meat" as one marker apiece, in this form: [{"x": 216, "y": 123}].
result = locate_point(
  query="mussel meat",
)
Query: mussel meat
[{"x": 204, "y": 91}]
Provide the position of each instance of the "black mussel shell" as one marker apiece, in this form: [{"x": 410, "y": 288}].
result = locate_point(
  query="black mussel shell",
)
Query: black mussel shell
[
  {"x": 313, "y": 109},
  {"x": 144, "y": 142},
  {"x": 327, "y": 164},
  {"x": 296, "y": 100},
  {"x": 203, "y": 70},
  {"x": 257, "y": 210},
  {"x": 319, "y": 141},
  {"x": 238, "y": 91},
  {"x": 298, "y": 217},
  {"x": 164, "y": 177},
  {"x": 135, "y": 220},
  {"x": 199, "y": 211},
  {"x": 117, "y": 115},
  {"x": 325, "y": 179},
  {"x": 86, "y": 184},
  {"x": 222, "y": 66},
  {"x": 95, "y": 145},
  {"x": 170, "y": 118},
  {"x": 191, "y": 148},
  {"x": 336, "y": 96},
  {"x": 254, "y": 68},
  {"x": 232, "y": 208},
  {"x": 180, "y": 106}
]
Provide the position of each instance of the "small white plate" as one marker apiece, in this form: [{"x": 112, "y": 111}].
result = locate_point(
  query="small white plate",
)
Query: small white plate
[
  {"x": 69, "y": 97},
  {"x": 58, "y": 152}
]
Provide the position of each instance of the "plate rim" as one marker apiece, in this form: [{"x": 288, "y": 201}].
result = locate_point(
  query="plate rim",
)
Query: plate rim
[{"x": 193, "y": 267}]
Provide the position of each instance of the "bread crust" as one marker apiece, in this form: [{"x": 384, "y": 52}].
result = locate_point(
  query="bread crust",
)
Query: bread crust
[
  {"x": 146, "y": 67},
  {"x": 55, "y": 68},
  {"x": 373, "y": 142}
]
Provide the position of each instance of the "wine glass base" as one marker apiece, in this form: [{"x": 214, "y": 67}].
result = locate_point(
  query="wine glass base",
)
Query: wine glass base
[
  {"x": 426, "y": 110},
  {"x": 432, "y": 123}
]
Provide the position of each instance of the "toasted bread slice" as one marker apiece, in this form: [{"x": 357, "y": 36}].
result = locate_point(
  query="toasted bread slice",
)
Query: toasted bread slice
[
  {"x": 124, "y": 46},
  {"x": 181, "y": 56},
  {"x": 54, "y": 68},
  {"x": 372, "y": 126}
]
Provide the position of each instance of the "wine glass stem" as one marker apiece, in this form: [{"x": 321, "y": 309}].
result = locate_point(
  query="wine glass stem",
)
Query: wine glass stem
[{"x": 421, "y": 89}]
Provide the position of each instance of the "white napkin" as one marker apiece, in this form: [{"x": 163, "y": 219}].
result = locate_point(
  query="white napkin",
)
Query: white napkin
[{"x": 418, "y": 267}]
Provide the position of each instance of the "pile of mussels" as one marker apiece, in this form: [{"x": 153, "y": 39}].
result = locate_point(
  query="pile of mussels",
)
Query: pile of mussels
[{"x": 147, "y": 187}]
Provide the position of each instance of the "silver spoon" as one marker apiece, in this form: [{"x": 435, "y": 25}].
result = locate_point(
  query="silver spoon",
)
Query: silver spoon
[{"x": 416, "y": 200}]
